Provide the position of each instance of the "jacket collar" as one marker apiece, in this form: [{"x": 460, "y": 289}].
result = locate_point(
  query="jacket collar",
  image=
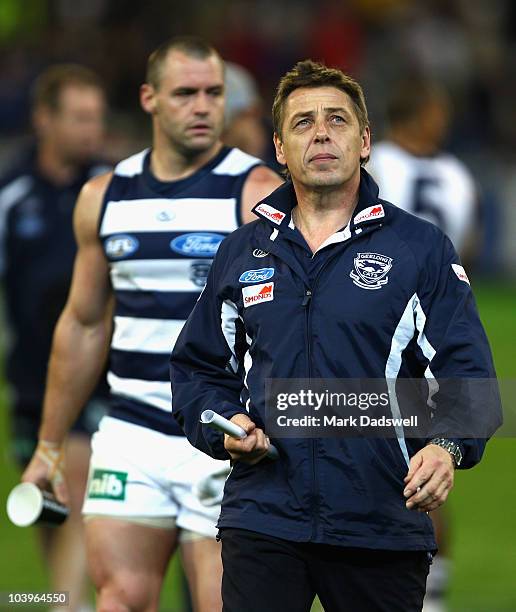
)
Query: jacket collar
[{"x": 276, "y": 208}]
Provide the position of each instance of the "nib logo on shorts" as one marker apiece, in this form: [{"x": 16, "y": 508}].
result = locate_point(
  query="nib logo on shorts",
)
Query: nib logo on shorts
[
  {"x": 258, "y": 294},
  {"x": 373, "y": 212},
  {"x": 106, "y": 484},
  {"x": 274, "y": 215}
]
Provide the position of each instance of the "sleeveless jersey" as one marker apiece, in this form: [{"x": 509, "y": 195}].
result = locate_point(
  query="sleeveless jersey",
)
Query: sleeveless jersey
[
  {"x": 439, "y": 189},
  {"x": 160, "y": 239}
]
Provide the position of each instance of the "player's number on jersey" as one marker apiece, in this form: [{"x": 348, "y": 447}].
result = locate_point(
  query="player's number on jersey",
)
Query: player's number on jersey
[{"x": 423, "y": 204}]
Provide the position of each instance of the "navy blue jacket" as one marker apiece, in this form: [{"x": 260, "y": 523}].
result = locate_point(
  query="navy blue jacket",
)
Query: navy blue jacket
[
  {"x": 388, "y": 298},
  {"x": 37, "y": 250}
]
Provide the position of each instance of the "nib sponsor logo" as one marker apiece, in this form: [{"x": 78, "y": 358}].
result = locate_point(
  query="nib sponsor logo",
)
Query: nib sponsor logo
[
  {"x": 373, "y": 212},
  {"x": 276, "y": 216},
  {"x": 258, "y": 294},
  {"x": 106, "y": 484}
]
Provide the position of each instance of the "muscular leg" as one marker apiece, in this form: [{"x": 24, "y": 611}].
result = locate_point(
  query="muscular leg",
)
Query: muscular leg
[
  {"x": 127, "y": 563},
  {"x": 202, "y": 564},
  {"x": 64, "y": 547}
]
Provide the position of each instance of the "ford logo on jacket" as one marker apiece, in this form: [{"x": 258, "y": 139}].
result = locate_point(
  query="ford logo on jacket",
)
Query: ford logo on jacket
[{"x": 256, "y": 276}]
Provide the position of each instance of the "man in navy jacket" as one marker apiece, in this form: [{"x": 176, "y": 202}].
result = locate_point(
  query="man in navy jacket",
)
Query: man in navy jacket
[{"x": 330, "y": 282}]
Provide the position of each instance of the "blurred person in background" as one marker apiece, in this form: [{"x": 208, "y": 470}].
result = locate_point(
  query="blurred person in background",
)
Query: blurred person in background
[
  {"x": 412, "y": 170},
  {"x": 243, "y": 117},
  {"x": 147, "y": 234},
  {"x": 37, "y": 250}
]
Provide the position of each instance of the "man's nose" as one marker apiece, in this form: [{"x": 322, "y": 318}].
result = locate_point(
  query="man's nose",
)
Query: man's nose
[
  {"x": 321, "y": 131},
  {"x": 201, "y": 106}
]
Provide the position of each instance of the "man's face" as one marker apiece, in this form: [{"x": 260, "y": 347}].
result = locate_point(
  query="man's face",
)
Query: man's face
[
  {"x": 188, "y": 105},
  {"x": 76, "y": 127},
  {"x": 433, "y": 121},
  {"x": 321, "y": 141}
]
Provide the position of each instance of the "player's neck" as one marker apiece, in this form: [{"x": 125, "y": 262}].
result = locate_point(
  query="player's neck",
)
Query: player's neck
[
  {"x": 53, "y": 167},
  {"x": 320, "y": 213},
  {"x": 412, "y": 143},
  {"x": 168, "y": 164}
]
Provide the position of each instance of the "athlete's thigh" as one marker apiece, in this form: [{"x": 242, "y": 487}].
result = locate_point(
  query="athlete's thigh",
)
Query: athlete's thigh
[
  {"x": 202, "y": 563},
  {"x": 197, "y": 483},
  {"x": 128, "y": 560},
  {"x": 127, "y": 476}
]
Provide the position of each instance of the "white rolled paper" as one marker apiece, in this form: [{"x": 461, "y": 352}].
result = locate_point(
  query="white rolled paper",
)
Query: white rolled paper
[{"x": 216, "y": 421}]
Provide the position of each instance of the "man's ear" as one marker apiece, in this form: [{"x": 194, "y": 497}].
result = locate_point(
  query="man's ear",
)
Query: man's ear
[
  {"x": 148, "y": 98},
  {"x": 278, "y": 145},
  {"x": 41, "y": 120},
  {"x": 366, "y": 143}
]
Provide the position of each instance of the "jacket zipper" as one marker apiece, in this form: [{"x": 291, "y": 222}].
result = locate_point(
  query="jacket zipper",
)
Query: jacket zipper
[
  {"x": 306, "y": 303},
  {"x": 315, "y": 504}
]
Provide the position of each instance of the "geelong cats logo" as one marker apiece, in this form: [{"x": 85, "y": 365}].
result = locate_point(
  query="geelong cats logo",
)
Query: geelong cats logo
[{"x": 371, "y": 270}]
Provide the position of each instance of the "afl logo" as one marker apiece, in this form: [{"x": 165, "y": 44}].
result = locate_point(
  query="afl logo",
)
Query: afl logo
[
  {"x": 256, "y": 276},
  {"x": 260, "y": 253},
  {"x": 197, "y": 245},
  {"x": 120, "y": 246}
]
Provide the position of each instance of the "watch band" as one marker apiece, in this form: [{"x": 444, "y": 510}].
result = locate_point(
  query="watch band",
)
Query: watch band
[{"x": 452, "y": 447}]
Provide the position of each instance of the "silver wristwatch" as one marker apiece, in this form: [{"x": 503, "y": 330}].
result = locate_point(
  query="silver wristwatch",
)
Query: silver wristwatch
[{"x": 451, "y": 447}]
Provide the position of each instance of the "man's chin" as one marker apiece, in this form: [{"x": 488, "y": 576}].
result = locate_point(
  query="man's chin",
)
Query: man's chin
[
  {"x": 325, "y": 179},
  {"x": 198, "y": 144},
  {"x": 81, "y": 158}
]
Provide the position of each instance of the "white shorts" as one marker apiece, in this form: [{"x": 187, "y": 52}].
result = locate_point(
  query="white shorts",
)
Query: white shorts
[{"x": 138, "y": 472}]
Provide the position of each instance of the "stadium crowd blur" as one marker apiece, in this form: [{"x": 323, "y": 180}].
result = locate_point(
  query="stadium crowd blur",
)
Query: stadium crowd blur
[{"x": 468, "y": 45}]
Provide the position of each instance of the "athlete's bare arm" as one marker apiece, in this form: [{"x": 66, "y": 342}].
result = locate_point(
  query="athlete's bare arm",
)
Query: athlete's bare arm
[
  {"x": 81, "y": 341},
  {"x": 260, "y": 182}
]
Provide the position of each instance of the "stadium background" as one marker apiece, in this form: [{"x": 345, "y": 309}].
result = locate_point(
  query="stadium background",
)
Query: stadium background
[{"x": 469, "y": 45}]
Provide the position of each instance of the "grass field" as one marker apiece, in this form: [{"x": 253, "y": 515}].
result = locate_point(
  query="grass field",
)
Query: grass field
[{"x": 481, "y": 505}]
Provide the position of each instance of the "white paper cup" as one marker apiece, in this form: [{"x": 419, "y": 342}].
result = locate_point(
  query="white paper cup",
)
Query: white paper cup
[{"x": 28, "y": 505}]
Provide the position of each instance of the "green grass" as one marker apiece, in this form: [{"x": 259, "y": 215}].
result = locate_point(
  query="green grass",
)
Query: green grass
[
  {"x": 21, "y": 568},
  {"x": 481, "y": 505},
  {"x": 483, "y": 500}
]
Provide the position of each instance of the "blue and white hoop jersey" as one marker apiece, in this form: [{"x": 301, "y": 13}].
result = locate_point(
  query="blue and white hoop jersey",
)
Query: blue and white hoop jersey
[
  {"x": 160, "y": 239},
  {"x": 439, "y": 188}
]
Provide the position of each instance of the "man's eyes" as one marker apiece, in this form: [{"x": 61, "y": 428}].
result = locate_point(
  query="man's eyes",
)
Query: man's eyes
[
  {"x": 302, "y": 122},
  {"x": 337, "y": 119},
  {"x": 186, "y": 93}
]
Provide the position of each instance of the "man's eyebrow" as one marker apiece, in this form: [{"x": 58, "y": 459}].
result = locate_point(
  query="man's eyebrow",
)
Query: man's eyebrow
[
  {"x": 185, "y": 89},
  {"x": 337, "y": 109},
  {"x": 302, "y": 114},
  {"x": 190, "y": 89},
  {"x": 327, "y": 109}
]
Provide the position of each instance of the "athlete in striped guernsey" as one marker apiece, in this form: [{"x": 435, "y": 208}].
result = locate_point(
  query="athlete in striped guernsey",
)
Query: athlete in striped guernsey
[
  {"x": 147, "y": 234},
  {"x": 413, "y": 170},
  {"x": 160, "y": 239}
]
